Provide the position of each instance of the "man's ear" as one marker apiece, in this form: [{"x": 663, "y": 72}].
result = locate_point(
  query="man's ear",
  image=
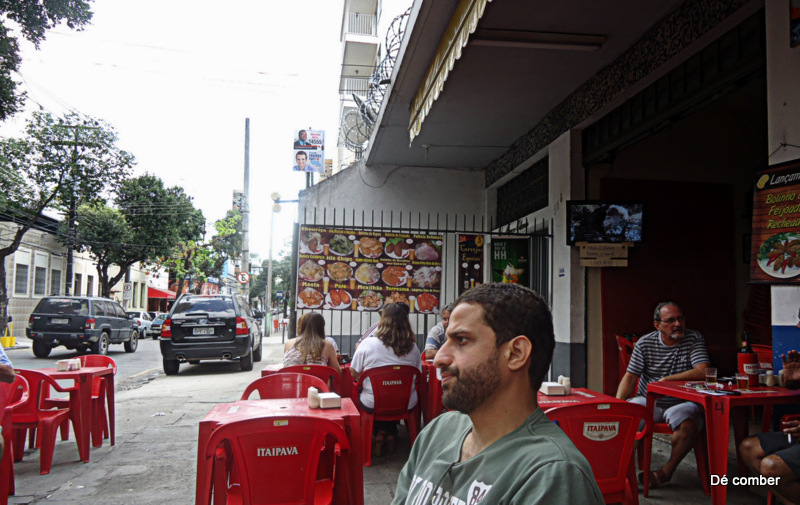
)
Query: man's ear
[{"x": 518, "y": 352}]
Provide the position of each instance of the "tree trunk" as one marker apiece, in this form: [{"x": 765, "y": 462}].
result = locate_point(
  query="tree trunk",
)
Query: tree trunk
[{"x": 3, "y": 297}]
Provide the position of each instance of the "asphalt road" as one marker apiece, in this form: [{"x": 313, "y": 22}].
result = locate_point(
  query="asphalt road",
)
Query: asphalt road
[{"x": 132, "y": 368}]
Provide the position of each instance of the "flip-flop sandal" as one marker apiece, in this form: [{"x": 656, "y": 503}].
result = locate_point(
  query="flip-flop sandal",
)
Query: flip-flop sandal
[{"x": 657, "y": 479}]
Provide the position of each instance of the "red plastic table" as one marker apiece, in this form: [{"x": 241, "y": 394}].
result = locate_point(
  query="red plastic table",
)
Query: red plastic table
[
  {"x": 718, "y": 419},
  {"x": 348, "y": 417},
  {"x": 83, "y": 379},
  {"x": 432, "y": 399},
  {"x": 577, "y": 396}
]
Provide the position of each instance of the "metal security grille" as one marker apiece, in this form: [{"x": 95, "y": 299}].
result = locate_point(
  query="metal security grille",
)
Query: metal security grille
[{"x": 346, "y": 327}]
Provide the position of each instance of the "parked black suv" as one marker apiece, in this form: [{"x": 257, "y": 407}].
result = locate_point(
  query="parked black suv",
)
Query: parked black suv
[
  {"x": 83, "y": 323},
  {"x": 209, "y": 327}
]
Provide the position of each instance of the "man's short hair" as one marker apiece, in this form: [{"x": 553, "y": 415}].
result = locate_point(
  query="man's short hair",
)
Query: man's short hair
[
  {"x": 512, "y": 310},
  {"x": 299, "y": 153},
  {"x": 447, "y": 308},
  {"x": 657, "y": 312}
]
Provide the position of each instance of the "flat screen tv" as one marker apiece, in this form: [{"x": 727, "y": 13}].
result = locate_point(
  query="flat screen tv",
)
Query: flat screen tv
[{"x": 604, "y": 221}]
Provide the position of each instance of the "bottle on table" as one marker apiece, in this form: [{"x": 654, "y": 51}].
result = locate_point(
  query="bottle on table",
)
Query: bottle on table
[{"x": 748, "y": 362}]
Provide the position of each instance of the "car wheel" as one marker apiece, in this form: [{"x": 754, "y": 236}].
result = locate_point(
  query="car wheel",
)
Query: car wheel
[
  {"x": 171, "y": 366},
  {"x": 101, "y": 346},
  {"x": 40, "y": 349},
  {"x": 257, "y": 353},
  {"x": 246, "y": 362},
  {"x": 132, "y": 343},
  {"x": 155, "y": 335}
]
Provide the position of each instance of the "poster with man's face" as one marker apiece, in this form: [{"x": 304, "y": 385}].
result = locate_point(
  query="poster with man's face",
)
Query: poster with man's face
[{"x": 309, "y": 151}]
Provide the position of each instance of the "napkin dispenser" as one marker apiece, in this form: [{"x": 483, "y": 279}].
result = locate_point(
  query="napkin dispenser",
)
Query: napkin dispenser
[
  {"x": 552, "y": 389},
  {"x": 68, "y": 365},
  {"x": 330, "y": 401}
]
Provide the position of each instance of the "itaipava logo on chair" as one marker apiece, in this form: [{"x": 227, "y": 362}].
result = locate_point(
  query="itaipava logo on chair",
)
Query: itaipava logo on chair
[{"x": 600, "y": 432}]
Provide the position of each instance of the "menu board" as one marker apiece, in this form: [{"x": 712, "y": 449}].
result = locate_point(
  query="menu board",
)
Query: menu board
[
  {"x": 470, "y": 260},
  {"x": 363, "y": 270},
  {"x": 775, "y": 253}
]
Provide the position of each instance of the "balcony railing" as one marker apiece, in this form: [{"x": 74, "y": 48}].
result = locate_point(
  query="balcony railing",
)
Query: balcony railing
[
  {"x": 357, "y": 85},
  {"x": 362, "y": 24}
]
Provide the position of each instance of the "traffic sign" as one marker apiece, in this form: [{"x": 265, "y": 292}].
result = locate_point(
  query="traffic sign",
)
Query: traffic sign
[
  {"x": 279, "y": 294},
  {"x": 243, "y": 277},
  {"x": 127, "y": 291}
]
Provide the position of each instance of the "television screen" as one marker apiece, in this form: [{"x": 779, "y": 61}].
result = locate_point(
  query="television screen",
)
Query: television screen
[{"x": 604, "y": 221}]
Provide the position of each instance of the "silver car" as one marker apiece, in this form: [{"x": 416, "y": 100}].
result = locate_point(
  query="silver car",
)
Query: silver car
[{"x": 155, "y": 327}]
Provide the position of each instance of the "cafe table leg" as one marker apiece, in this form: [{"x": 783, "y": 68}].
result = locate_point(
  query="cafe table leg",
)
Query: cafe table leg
[
  {"x": 355, "y": 469},
  {"x": 717, "y": 427},
  {"x": 84, "y": 401},
  {"x": 109, "y": 383}
]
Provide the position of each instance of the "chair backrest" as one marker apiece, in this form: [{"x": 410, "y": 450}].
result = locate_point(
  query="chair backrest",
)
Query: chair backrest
[
  {"x": 39, "y": 385},
  {"x": 323, "y": 372},
  {"x": 13, "y": 395},
  {"x": 284, "y": 385},
  {"x": 605, "y": 435},
  {"x": 625, "y": 348},
  {"x": 277, "y": 457},
  {"x": 97, "y": 360},
  {"x": 392, "y": 386},
  {"x": 764, "y": 353}
]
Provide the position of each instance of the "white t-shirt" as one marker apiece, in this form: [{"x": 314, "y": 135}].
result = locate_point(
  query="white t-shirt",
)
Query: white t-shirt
[
  {"x": 332, "y": 341},
  {"x": 372, "y": 354}
]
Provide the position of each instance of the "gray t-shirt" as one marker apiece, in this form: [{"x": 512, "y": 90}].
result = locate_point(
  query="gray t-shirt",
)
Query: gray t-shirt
[{"x": 534, "y": 464}]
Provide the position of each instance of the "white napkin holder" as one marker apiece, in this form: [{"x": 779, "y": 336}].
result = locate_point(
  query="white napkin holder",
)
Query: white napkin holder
[
  {"x": 330, "y": 401},
  {"x": 68, "y": 365},
  {"x": 552, "y": 389}
]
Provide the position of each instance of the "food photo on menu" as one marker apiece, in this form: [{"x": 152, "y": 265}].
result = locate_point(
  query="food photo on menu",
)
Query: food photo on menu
[{"x": 351, "y": 270}]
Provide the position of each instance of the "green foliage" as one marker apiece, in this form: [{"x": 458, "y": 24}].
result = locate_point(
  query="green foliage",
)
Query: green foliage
[
  {"x": 31, "y": 18},
  {"x": 149, "y": 223}
]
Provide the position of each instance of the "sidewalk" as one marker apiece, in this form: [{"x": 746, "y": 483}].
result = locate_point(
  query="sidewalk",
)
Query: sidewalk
[{"x": 154, "y": 460}]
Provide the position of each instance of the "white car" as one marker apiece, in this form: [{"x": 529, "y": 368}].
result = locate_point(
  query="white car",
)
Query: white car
[{"x": 142, "y": 320}]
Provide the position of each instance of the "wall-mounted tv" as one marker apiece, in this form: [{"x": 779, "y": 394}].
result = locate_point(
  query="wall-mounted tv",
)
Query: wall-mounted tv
[{"x": 604, "y": 221}]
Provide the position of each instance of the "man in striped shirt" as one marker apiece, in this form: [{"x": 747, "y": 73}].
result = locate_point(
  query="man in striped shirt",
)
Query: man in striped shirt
[{"x": 672, "y": 352}]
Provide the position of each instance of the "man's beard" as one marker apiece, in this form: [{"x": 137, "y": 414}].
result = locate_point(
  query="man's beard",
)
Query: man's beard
[{"x": 472, "y": 388}]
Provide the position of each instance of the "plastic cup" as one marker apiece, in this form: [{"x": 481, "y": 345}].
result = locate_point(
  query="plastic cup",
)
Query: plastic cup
[
  {"x": 711, "y": 377},
  {"x": 743, "y": 382}
]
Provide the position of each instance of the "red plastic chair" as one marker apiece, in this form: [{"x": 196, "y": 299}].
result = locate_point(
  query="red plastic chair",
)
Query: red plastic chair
[
  {"x": 14, "y": 395},
  {"x": 324, "y": 372},
  {"x": 284, "y": 385},
  {"x": 700, "y": 454},
  {"x": 100, "y": 429},
  {"x": 36, "y": 415},
  {"x": 605, "y": 434},
  {"x": 271, "y": 460},
  {"x": 391, "y": 387},
  {"x": 625, "y": 349}
]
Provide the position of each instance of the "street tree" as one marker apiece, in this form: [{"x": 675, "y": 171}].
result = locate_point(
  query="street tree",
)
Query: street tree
[
  {"x": 148, "y": 222},
  {"x": 60, "y": 164},
  {"x": 31, "y": 18},
  {"x": 200, "y": 260}
]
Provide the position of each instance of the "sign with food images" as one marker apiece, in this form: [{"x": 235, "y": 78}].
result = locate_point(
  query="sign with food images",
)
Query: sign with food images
[
  {"x": 470, "y": 261},
  {"x": 775, "y": 253},
  {"x": 363, "y": 270}
]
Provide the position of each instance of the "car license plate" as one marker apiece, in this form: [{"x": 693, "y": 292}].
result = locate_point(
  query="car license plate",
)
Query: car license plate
[
  {"x": 203, "y": 331},
  {"x": 59, "y": 321}
]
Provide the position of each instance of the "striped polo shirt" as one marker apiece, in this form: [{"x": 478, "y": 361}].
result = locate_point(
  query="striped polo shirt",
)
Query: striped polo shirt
[{"x": 652, "y": 359}]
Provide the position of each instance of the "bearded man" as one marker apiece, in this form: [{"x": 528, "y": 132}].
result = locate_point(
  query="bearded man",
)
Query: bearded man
[
  {"x": 495, "y": 446},
  {"x": 671, "y": 353}
]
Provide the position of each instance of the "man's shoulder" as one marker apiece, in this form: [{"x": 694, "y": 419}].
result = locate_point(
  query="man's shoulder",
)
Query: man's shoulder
[{"x": 649, "y": 339}]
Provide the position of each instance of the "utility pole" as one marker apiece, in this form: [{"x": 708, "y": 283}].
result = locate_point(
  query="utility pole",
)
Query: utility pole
[
  {"x": 73, "y": 203},
  {"x": 246, "y": 208}
]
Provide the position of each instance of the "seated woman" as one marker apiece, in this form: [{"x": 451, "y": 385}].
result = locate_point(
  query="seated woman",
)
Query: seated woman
[
  {"x": 395, "y": 345},
  {"x": 310, "y": 347}
]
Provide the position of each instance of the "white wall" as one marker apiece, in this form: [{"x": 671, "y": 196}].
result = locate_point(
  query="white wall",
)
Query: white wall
[{"x": 783, "y": 98}]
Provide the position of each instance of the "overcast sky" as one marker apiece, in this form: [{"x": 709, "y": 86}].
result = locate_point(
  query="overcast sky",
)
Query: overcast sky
[{"x": 177, "y": 79}]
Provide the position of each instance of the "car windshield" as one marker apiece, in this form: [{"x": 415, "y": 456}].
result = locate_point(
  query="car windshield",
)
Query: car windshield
[
  {"x": 212, "y": 306},
  {"x": 160, "y": 318},
  {"x": 64, "y": 306}
]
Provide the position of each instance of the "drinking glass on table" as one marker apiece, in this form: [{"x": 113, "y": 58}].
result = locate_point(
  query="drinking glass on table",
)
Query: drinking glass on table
[
  {"x": 742, "y": 381},
  {"x": 711, "y": 377}
]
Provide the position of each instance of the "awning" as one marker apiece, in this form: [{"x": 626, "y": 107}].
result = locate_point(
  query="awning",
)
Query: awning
[
  {"x": 464, "y": 21},
  {"x": 160, "y": 293}
]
